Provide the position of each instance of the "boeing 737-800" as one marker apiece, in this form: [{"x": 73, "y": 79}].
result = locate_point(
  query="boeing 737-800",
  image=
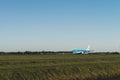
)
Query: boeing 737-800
[{"x": 83, "y": 51}]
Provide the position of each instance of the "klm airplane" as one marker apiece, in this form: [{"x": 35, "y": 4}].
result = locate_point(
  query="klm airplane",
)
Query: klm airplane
[{"x": 83, "y": 51}]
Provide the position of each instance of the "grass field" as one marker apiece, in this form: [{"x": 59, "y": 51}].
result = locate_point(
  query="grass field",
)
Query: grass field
[{"x": 60, "y": 67}]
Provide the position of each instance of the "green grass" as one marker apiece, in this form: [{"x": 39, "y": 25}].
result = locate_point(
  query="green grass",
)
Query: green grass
[{"x": 59, "y": 67}]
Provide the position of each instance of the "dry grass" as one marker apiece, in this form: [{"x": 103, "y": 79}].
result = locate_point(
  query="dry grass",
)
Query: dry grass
[{"x": 59, "y": 67}]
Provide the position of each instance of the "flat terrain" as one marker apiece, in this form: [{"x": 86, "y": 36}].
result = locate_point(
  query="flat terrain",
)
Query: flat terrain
[{"x": 60, "y": 67}]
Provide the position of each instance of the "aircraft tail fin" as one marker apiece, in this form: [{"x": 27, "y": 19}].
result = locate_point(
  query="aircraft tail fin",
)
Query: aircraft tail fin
[{"x": 88, "y": 48}]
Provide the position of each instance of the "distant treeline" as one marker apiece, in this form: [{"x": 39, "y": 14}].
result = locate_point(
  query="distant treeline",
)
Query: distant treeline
[
  {"x": 105, "y": 53},
  {"x": 52, "y": 52},
  {"x": 38, "y": 52}
]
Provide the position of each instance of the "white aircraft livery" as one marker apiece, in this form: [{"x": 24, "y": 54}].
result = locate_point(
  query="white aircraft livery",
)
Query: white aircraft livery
[{"x": 83, "y": 51}]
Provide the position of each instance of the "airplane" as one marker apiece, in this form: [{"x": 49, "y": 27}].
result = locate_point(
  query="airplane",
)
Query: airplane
[{"x": 83, "y": 51}]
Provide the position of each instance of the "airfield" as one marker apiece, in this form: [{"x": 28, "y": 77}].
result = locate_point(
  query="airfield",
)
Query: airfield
[{"x": 59, "y": 67}]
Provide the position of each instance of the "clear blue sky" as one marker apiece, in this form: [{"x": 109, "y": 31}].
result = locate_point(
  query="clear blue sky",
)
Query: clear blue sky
[{"x": 59, "y": 25}]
